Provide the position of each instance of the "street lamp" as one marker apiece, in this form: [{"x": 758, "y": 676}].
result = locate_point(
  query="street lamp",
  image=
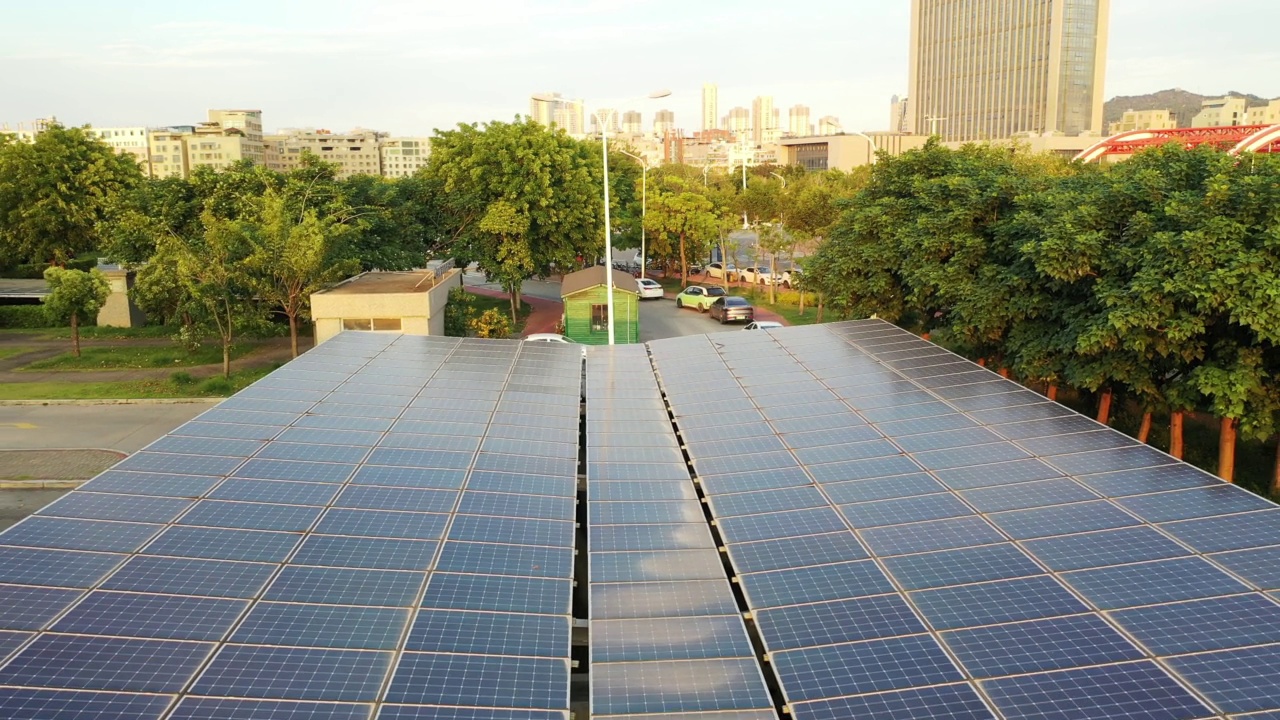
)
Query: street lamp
[
  {"x": 784, "y": 180},
  {"x": 871, "y": 159},
  {"x": 644, "y": 203},
  {"x": 602, "y": 117}
]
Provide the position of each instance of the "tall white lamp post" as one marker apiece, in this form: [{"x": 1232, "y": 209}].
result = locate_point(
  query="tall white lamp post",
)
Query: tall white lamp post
[
  {"x": 871, "y": 159},
  {"x": 644, "y": 205},
  {"x": 602, "y": 118}
]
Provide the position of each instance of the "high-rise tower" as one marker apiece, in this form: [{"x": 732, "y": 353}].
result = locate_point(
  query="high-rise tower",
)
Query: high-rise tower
[
  {"x": 988, "y": 69},
  {"x": 709, "y": 106}
]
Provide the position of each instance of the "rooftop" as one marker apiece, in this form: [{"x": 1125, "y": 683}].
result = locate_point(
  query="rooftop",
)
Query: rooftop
[{"x": 387, "y": 283}]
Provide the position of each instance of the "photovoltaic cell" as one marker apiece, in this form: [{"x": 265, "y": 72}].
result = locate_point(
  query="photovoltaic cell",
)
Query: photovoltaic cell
[
  {"x": 1133, "y": 690},
  {"x": 870, "y": 666}
]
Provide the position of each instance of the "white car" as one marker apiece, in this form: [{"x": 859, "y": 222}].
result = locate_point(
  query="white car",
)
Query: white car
[
  {"x": 763, "y": 325},
  {"x": 555, "y": 338},
  {"x": 718, "y": 270},
  {"x": 758, "y": 276},
  {"x": 649, "y": 288},
  {"x": 791, "y": 278}
]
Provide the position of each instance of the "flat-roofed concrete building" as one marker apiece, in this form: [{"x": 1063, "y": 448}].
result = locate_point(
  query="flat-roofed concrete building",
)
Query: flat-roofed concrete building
[
  {"x": 355, "y": 153},
  {"x": 990, "y": 69},
  {"x": 1143, "y": 120},
  {"x": 404, "y": 156},
  {"x": 401, "y": 302},
  {"x": 1268, "y": 114},
  {"x": 168, "y": 155},
  {"x": 818, "y": 153},
  {"x": 798, "y": 121},
  {"x": 126, "y": 141},
  {"x": 1221, "y": 112},
  {"x": 710, "y": 103}
]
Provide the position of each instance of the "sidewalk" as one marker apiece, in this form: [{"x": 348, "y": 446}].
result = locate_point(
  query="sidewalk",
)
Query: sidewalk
[{"x": 546, "y": 314}]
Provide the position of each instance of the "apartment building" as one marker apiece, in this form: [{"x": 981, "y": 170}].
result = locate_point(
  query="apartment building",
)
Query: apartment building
[
  {"x": 126, "y": 141},
  {"x": 764, "y": 123},
  {"x": 710, "y": 101},
  {"x": 355, "y": 153},
  {"x": 404, "y": 156},
  {"x": 1268, "y": 114},
  {"x": 664, "y": 121},
  {"x": 632, "y": 123},
  {"x": 553, "y": 110},
  {"x": 798, "y": 121},
  {"x": 829, "y": 125},
  {"x": 168, "y": 152},
  {"x": 1143, "y": 120},
  {"x": 1222, "y": 112},
  {"x": 991, "y": 69}
]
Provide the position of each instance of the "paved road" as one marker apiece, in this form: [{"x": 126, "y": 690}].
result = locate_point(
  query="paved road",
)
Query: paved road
[
  {"x": 126, "y": 428},
  {"x": 661, "y": 319}
]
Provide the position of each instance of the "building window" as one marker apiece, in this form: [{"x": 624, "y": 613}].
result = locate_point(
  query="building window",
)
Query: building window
[
  {"x": 375, "y": 324},
  {"x": 599, "y": 318}
]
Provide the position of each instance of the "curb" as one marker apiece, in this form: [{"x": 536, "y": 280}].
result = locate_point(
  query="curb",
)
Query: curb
[
  {"x": 114, "y": 401},
  {"x": 41, "y": 484}
]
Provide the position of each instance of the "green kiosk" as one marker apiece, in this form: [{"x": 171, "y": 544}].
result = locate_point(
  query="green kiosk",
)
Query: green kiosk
[{"x": 586, "y": 313}]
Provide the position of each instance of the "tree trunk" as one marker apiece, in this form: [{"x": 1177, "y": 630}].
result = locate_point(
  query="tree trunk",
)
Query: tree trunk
[
  {"x": 820, "y": 299},
  {"x": 226, "y": 358},
  {"x": 801, "y": 301},
  {"x": 1275, "y": 472},
  {"x": 1175, "y": 434},
  {"x": 513, "y": 294},
  {"x": 1227, "y": 449},
  {"x": 684, "y": 264},
  {"x": 75, "y": 332},
  {"x": 293, "y": 333},
  {"x": 1104, "y": 406},
  {"x": 773, "y": 262},
  {"x": 1051, "y": 392},
  {"x": 1144, "y": 430}
]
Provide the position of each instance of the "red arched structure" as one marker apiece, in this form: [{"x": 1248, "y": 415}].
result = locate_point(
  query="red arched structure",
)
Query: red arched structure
[{"x": 1233, "y": 138}]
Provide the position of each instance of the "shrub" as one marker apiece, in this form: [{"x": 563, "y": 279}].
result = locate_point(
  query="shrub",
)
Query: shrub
[
  {"x": 491, "y": 324},
  {"x": 459, "y": 311},
  {"x": 182, "y": 378},
  {"x": 217, "y": 386},
  {"x": 24, "y": 317}
]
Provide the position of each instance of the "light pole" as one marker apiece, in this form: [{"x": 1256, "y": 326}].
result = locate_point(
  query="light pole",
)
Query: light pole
[
  {"x": 602, "y": 116},
  {"x": 784, "y": 180},
  {"x": 745, "y": 225},
  {"x": 644, "y": 206},
  {"x": 871, "y": 153}
]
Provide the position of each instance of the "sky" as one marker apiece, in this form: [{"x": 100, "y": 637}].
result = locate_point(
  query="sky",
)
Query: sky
[{"x": 410, "y": 66}]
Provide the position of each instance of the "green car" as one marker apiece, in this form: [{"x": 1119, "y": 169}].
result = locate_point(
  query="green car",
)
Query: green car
[{"x": 699, "y": 297}]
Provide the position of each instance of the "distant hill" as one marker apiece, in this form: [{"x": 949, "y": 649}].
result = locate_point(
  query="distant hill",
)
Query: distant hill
[{"x": 1184, "y": 104}]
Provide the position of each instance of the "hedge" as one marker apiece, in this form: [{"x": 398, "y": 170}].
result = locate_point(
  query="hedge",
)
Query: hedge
[{"x": 24, "y": 317}]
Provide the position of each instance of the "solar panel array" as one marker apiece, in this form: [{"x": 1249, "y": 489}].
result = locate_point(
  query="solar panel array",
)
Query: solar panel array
[
  {"x": 918, "y": 537},
  {"x": 385, "y": 522},
  {"x": 667, "y": 639}
]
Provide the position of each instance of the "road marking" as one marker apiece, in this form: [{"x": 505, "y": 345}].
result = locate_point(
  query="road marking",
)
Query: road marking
[{"x": 19, "y": 425}]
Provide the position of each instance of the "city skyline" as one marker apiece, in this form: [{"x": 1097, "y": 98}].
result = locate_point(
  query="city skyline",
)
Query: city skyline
[{"x": 407, "y": 69}]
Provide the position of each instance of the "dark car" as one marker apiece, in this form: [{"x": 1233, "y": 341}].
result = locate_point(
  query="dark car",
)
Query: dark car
[{"x": 730, "y": 308}]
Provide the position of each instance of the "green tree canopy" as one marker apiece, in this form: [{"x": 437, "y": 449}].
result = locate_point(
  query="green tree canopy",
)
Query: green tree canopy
[
  {"x": 55, "y": 191},
  {"x": 75, "y": 296}
]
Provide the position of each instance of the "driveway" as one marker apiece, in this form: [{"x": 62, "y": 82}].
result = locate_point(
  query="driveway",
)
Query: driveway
[
  {"x": 661, "y": 319},
  {"x": 126, "y": 428}
]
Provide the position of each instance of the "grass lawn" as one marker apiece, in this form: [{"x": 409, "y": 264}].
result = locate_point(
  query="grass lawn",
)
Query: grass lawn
[
  {"x": 167, "y": 388},
  {"x": 126, "y": 357},
  {"x": 92, "y": 332}
]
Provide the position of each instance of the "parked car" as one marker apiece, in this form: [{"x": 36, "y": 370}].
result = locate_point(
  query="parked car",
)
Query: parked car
[
  {"x": 762, "y": 325},
  {"x": 731, "y": 308},
  {"x": 719, "y": 271},
  {"x": 649, "y": 288},
  {"x": 555, "y": 338},
  {"x": 699, "y": 297},
  {"x": 791, "y": 278},
  {"x": 760, "y": 275}
]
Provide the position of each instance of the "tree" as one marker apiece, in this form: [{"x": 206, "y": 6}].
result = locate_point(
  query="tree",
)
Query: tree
[
  {"x": 545, "y": 175},
  {"x": 54, "y": 192},
  {"x": 75, "y": 296},
  {"x": 512, "y": 258},
  {"x": 686, "y": 217},
  {"x": 492, "y": 325},
  {"x": 293, "y": 257},
  {"x": 213, "y": 272},
  {"x": 136, "y": 218}
]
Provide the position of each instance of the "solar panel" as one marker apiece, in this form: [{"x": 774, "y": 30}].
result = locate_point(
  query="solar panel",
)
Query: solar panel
[
  {"x": 288, "y": 555},
  {"x": 667, "y": 636},
  {"x": 992, "y": 530}
]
